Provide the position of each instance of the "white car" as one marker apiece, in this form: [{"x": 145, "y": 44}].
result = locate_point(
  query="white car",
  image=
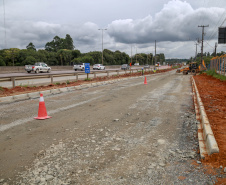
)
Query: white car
[
  {"x": 99, "y": 67},
  {"x": 38, "y": 67}
]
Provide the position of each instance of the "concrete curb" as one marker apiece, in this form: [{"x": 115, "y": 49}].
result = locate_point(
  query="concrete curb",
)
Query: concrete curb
[{"x": 206, "y": 136}]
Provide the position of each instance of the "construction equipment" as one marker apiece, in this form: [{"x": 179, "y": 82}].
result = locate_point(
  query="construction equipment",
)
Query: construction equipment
[{"x": 193, "y": 68}]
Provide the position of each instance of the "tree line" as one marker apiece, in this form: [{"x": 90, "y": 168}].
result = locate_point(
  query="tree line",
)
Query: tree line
[
  {"x": 61, "y": 51},
  {"x": 206, "y": 57}
]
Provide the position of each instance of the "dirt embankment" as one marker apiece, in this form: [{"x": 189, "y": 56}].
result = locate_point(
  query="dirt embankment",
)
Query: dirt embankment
[{"x": 213, "y": 95}]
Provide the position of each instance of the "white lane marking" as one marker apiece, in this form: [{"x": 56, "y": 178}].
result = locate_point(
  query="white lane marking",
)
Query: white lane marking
[{"x": 23, "y": 121}]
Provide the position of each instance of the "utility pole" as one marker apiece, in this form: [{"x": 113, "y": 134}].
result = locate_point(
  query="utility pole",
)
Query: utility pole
[
  {"x": 202, "y": 44},
  {"x": 155, "y": 51},
  {"x": 102, "y": 46},
  {"x": 215, "y": 51},
  {"x": 136, "y": 54},
  {"x": 196, "y": 49},
  {"x": 131, "y": 54}
]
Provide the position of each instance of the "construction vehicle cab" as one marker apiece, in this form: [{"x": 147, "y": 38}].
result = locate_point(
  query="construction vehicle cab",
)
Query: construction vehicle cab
[{"x": 193, "y": 68}]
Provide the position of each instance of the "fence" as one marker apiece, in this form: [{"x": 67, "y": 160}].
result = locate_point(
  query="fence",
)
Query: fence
[{"x": 218, "y": 64}]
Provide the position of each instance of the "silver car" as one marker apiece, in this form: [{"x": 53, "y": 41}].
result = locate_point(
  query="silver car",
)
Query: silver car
[
  {"x": 125, "y": 67},
  {"x": 146, "y": 66},
  {"x": 98, "y": 66}
]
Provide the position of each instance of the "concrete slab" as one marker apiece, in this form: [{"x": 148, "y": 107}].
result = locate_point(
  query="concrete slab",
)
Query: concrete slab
[
  {"x": 46, "y": 93},
  {"x": 34, "y": 95},
  {"x": 6, "y": 99},
  {"x": 21, "y": 97}
]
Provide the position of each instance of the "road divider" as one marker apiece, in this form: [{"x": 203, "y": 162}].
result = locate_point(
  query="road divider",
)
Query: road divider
[{"x": 33, "y": 95}]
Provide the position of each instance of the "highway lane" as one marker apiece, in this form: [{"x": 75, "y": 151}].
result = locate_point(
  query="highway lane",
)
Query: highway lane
[{"x": 43, "y": 81}]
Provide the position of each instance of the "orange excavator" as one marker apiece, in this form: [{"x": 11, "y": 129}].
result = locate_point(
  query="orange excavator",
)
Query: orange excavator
[{"x": 193, "y": 68}]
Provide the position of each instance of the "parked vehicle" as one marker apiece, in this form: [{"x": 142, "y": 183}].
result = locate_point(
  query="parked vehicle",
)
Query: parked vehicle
[
  {"x": 125, "y": 67},
  {"x": 99, "y": 67},
  {"x": 146, "y": 66},
  {"x": 38, "y": 67},
  {"x": 79, "y": 66},
  {"x": 137, "y": 64},
  {"x": 157, "y": 64}
]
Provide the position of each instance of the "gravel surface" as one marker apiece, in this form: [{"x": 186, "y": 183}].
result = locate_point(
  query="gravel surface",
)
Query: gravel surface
[{"x": 132, "y": 134}]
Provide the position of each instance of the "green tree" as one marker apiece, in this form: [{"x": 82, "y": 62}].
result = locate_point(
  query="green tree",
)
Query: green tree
[
  {"x": 68, "y": 43},
  {"x": 29, "y": 60},
  {"x": 60, "y": 43},
  {"x": 161, "y": 58},
  {"x": 42, "y": 55},
  {"x": 2, "y": 62},
  {"x": 12, "y": 54},
  {"x": 87, "y": 59},
  {"x": 31, "y": 46},
  {"x": 55, "y": 44},
  {"x": 75, "y": 54},
  {"x": 61, "y": 54},
  {"x": 52, "y": 59},
  {"x": 96, "y": 55}
]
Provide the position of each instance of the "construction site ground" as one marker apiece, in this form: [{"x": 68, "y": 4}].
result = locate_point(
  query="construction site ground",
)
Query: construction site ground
[
  {"x": 120, "y": 133},
  {"x": 213, "y": 95}
]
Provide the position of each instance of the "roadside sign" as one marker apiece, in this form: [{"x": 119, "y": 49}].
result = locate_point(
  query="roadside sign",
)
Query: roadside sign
[{"x": 87, "y": 67}]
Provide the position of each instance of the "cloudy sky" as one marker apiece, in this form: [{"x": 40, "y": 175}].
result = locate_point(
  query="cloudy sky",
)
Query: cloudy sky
[{"x": 130, "y": 24}]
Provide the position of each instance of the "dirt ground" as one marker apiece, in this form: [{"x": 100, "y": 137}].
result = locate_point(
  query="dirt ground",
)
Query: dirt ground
[
  {"x": 213, "y": 95},
  {"x": 141, "y": 142}
]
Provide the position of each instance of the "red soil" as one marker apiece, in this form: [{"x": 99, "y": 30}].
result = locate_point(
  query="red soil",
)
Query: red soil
[{"x": 213, "y": 95}]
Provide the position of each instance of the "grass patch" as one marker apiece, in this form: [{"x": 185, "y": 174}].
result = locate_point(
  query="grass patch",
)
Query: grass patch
[
  {"x": 175, "y": 67},
  {"x": 88, "y": 79},
  {"x": 58, "y": 83},
  {"x": 23, "y": 85},
  {"x": 216, "y": 75},
  {"x": 1, "y": 89}
]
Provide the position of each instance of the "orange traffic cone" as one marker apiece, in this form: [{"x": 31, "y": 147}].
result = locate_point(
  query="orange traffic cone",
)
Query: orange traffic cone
[
  {"x": 42, "y": 114},
  {"x": 145, "y": 80}
]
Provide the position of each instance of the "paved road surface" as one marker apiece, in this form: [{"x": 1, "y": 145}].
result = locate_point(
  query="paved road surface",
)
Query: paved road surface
[
  {"x": 121, "y": 133},
  {"x": 33, "y": 82}
]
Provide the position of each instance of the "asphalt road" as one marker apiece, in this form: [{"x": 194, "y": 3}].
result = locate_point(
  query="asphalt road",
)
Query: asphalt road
[
  {"x": 43, "y": 81},
  {"x": 121, "y": 133}
]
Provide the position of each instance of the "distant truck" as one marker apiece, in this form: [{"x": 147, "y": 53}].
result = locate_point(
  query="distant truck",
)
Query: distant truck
[
  {"x": 79, "y": 66},
  {"x": 38, "y": 67}
]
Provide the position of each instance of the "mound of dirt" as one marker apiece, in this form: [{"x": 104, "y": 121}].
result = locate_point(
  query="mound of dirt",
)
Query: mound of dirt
[{"x": 213, "y": 95}]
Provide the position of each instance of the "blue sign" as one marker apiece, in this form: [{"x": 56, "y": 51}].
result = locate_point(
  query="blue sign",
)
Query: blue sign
[{"x": 87, "y": 67}]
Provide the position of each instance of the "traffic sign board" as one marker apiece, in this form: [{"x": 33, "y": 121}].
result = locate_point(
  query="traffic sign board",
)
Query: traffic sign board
[{"x": 87, "y": 67}]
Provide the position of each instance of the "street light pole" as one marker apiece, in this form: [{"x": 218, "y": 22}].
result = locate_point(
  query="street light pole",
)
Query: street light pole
[{"x": 102, "y": 46}]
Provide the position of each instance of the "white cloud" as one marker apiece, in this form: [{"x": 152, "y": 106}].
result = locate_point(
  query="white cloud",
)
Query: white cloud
[
  {"x": 177, "y": 21},
  {"x": 172, "y": 26}
]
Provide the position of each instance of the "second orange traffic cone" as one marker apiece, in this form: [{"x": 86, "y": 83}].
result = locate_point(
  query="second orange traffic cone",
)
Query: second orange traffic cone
[
  {"x": 145, "y": 80},
  {"x": 42, "y": 113}
]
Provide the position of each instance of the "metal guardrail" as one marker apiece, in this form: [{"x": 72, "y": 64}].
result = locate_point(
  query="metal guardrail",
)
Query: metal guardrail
[{"x": 51, "y": 75}]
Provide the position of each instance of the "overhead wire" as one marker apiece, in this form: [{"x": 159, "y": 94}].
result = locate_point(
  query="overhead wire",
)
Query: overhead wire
[{"x": 215, "y": 29}]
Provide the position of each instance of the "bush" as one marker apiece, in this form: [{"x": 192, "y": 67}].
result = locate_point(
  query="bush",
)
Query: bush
[
  {"x": 2, "y": 62},
  {"x": 29, "y": 61},
  {"x": 216, "y": 75}
]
